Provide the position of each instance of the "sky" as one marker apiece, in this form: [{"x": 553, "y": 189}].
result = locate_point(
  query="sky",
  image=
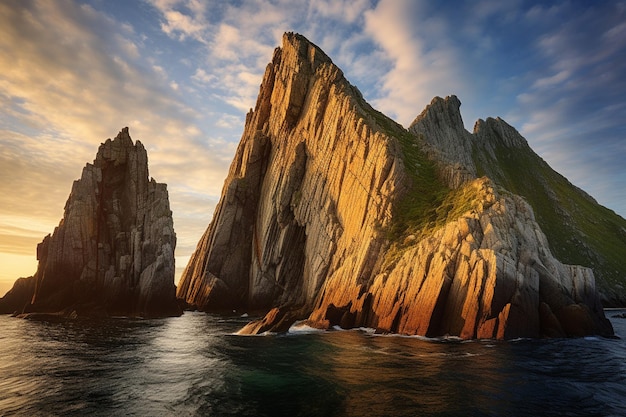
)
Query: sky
[{"x": 181, "y": 74}]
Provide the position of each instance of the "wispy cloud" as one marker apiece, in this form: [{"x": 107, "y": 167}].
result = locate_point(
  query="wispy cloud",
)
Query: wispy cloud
[
  {"x": 574, "y": 116},
  {"x": 237, "y": 39},
  {"x": 419, "y": 70},
  {"x": 70, "y": 77}
]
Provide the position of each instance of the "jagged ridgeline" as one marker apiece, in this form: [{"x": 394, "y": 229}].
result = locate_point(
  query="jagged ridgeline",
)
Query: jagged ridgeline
[
  {"x": 333, "y": 213},
  {"x": 113, "y": 251},
  {"x": 580, "y": 231}
]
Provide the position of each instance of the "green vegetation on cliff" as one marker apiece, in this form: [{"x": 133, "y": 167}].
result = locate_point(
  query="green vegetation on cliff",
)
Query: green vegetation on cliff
[
  {"x": 419, "y": 210},
  {"x": 580, "y": 231},
  {"x": 428, "y": 203}
]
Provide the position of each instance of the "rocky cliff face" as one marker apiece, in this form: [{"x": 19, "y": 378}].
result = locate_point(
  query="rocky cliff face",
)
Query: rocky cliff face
[
  {"x": 333, "y": 213},
  {"x": 113, "y": 251},
  {"x": 487, "y": 274},
  {"x": 579, "y": 230},
  {"x": 306, "y": 197}
]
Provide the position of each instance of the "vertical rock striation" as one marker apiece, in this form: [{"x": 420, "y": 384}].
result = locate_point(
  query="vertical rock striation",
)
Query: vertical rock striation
[
  {"x": 113, "y": 251},
  {"x": 487, "y": 274},
  {"x": 333, "y": 213},
  {"x": 307, "y": 194}
]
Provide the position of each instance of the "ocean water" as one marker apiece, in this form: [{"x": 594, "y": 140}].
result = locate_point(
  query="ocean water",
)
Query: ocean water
[{"x": 194, "y": 365}]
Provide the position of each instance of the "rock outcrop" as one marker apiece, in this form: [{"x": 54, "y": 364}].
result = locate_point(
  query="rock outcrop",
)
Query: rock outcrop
[
  {"x": 307, "y": 196},
  {"x": 579, "y": 230},
  {"x": 487, "y": 274},
  {"x": 334, "y": 213},
  {"x": 113, "y": 251}
]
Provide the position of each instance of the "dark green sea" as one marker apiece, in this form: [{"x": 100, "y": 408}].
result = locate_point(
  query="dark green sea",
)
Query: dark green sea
[{"x": 194, "y": 365}]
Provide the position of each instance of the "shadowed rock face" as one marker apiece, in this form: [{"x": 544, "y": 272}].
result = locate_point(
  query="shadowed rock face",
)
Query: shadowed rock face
[
  {"x": 307, "y": 226},
  {"x": 113, "y": 251}
]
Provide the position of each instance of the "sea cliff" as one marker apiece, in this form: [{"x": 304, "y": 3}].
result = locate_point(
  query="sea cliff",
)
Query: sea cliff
[{"x": 334, "y": 214}]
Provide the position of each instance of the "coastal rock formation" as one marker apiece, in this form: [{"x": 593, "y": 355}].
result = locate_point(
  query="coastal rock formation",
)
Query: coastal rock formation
[
  {"x": 333, "y": 213},
  {"x": 113, "y": 251},
  {"x": 579, "y": 230},
  {"x": 307, "y": 196},
  {"x": 487, "y": 274}
]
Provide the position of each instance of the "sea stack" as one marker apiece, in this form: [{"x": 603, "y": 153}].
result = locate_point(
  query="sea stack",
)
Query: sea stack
[
  {"x": 113, "y": 251},
  {"x": 334, "y": 214}
]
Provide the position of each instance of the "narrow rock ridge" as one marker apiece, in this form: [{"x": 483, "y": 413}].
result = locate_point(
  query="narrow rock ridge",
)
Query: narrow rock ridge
[
  {"x": 454, "y": 148},
  {"x": 113, "y": 251},
  {"x": 307, "y": 226},
  {"x": 580, "y": 231}
]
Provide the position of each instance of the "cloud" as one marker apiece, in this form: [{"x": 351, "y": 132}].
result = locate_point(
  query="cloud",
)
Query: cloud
[
  {"x": 34, "y": 182},
  {"x": 423, "y": 63},
  {"x": 237, "y": 39},
  {"x": 70, "y": 77},
  {"x": 573, "y": 113},
  {"x": 201, "y": 76},
  {"x": 552, "y": 80},
  {"x": 182, "y": 24},
  {"x": 183, "y": 19},
  {"x": 348, "y": 11}
]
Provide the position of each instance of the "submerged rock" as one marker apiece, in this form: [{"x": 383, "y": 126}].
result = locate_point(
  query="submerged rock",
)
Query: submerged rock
[
  {"x": 333, "y": 213},
  {"x": 113, "y": 251}
]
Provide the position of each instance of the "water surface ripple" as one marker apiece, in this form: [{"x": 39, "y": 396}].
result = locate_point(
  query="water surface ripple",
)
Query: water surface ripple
[{"x": 195, "y": 366}]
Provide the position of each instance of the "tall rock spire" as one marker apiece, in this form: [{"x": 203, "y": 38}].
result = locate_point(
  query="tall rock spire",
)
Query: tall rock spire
[
  {"x": 445, "y": 140},
  {"x": 310, "y": 154},
  {"x": 113, "y": 251}
]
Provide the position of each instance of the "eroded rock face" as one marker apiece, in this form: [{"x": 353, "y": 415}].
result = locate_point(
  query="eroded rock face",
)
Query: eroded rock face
[
  {"x": 445, "y": 140},
  {"x": 307, "y": 194},
  {"x": 578, "y": 228},
  {"x": 488, "y": 274},
  {"x": 303, "y": 226},
  {"x": 113, "y": 251}
]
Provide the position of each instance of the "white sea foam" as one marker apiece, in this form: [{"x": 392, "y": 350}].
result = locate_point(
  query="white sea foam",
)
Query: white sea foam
[
  {"x": 519, "y": 339},
  {"x": 368, "y": 330},
  {"x": 238, "y": 333},
  {"x": 300, "y": 327}
]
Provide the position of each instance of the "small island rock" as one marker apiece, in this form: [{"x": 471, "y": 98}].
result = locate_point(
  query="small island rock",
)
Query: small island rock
[{"x": 113, "y": 251}]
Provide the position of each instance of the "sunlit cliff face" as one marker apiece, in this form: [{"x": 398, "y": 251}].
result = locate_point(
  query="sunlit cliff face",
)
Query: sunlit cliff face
[{"x": 333, "y": 213}]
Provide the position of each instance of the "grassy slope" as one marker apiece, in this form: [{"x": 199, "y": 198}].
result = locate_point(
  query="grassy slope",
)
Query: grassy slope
[
  {"x": 580, "y": 231},
  {"x": 429, "y": 203},
  {"x": 417, "y": 210}
]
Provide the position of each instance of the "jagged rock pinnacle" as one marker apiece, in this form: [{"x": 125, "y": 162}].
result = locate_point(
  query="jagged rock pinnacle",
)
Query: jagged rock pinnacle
[{"x": 113, "y": 251}]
